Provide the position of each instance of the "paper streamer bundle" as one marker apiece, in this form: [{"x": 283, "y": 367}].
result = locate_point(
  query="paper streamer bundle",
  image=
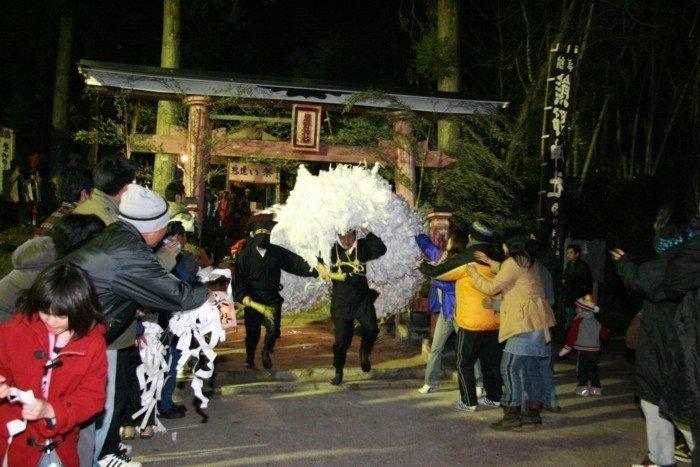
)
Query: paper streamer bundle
[
  {"x": 337, "y": 200},
  {"x": 151, "y": 374},
  {"x": 192, "y": 328}
]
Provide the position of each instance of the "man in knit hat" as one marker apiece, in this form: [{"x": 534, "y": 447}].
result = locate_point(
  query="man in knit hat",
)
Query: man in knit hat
[{"x": 127, "y": 276}]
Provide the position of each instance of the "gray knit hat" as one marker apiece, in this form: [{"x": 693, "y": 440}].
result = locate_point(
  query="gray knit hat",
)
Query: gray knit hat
[{"x": 144, "y": 209}]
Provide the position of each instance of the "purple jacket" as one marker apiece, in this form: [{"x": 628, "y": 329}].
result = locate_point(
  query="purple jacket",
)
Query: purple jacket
[{"x": 441, "y": 298}]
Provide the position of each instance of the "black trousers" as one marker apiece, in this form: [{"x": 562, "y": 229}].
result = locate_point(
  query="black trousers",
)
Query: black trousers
[
  {"x": 587, "y": 368},
  {"x": 483, "y": 346},
  {"x": 254, "y": 321},
  {"x": 121, "y": 395},
  {"x": 344, "y": 328}
]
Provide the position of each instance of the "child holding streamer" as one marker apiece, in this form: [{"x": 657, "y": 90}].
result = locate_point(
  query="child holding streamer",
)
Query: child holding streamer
[{"x": 54, "y": 347}]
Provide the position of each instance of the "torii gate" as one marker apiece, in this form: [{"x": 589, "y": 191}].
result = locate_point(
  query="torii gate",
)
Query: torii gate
[{"x": 199, "y": 142}]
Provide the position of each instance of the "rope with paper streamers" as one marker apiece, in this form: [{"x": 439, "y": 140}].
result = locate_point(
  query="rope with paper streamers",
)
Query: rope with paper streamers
[
  {"x": 151, "y": 374},
  {"x": 192, "y": 328},
  {"x": 337, "y": 200}
]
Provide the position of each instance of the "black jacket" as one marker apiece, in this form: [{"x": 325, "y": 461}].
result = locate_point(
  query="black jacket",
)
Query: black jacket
[
  {"x": 353, "y": 297},
  {"x": 258, "y": 276},
  {"x": 460, "y": 258},
  {"x": 578, "y": 281},
  {"x": 682, "y": 282},
  {"x": 656, "y": 370},
  {"x": 127, "y": 275}
]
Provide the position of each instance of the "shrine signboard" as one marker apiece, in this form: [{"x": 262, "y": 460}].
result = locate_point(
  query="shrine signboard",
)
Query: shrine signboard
[
  {"x": 246, "y": 172},
  {"x": 555, "y": 142},
  {"x": 306, "y": 127}
]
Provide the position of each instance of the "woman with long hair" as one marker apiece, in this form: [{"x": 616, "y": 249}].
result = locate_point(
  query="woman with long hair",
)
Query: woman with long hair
[{"x": 525, "y": 319}]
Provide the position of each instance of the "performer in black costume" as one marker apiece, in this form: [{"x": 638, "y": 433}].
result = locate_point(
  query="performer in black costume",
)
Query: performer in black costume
[
  {"x": 256, "y": 284},
  {"x": 352, "y": 299}
]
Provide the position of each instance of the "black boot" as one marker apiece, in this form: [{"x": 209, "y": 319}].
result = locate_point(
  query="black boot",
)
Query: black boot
[
  {"x": 531, "y": 414},
  {"x": 364, "y": 360},
  {"x": 338, "y": 378},
  {"x": 266, "y": 360},
  {"x": 510, "y": 421},
  {"x": 250, "y": 362}
]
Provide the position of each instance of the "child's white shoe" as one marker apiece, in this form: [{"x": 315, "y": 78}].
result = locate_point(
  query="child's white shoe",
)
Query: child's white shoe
[
  {"x": 583, "y": 391},
  {"x": 595, "y": 391}
]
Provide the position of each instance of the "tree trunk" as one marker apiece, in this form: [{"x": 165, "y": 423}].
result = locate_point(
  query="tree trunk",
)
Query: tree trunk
[
  {"x": 448, "y": 34},
  {"x": 591, "y": 147},
  {"x": 164, "y": 164},
  {"x": 531, "y": 100},
  {"x": 59, "y": 117}
]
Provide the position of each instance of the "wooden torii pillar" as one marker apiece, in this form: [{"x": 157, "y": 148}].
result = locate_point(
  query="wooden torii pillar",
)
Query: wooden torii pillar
[
  {"x": 405, "y": 156},
  {"x": 198, "y": 147}
]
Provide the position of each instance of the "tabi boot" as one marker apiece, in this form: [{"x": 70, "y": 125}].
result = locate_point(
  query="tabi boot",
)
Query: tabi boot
[
  {"x": 531, "y": 414},
  {"x": 250, "y": 362},
  {"x": 365, "y": 364},
  {"x": 266, "y": 360},
  {"x": 510, "y": 421},
  {"x": 338, "y": 378}
]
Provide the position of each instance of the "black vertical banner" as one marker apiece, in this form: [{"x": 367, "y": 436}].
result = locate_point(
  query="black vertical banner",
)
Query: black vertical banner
[{"x": 555, "y": 143}]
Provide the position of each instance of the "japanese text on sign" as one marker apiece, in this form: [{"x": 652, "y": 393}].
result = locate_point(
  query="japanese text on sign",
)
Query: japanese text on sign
[{"x": 253, "y": 173}]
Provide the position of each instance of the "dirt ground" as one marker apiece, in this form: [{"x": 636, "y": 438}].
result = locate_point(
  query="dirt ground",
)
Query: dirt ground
[{"x": 310, "y": 345}]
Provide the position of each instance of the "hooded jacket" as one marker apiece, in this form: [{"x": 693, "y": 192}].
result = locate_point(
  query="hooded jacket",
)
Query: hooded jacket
[
  {"x": 77, "y": 388},
  {"x": 127, "y": 275},
  {"x": 28, "y": 260}
]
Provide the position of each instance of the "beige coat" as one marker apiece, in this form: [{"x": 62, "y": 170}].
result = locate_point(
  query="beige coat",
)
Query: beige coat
[{"x": 524, "y": 307}]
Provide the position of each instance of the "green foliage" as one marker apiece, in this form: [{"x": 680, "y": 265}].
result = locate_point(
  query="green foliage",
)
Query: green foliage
[
  {"x": 364, "y": 130},
  {"x": 479, "y": 185},
  {"x": 433, "y": 59}
]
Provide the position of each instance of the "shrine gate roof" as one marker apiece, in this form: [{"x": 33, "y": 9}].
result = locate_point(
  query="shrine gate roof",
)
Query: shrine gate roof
[{"x": 166, "y": 83}]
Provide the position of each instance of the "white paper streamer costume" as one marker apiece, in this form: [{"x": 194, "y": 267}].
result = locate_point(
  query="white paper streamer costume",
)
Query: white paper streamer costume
[
  {"x": 340, "y": 199},
  {"x": 192, "y": 328},
  {"x": 151, "y": 374}
]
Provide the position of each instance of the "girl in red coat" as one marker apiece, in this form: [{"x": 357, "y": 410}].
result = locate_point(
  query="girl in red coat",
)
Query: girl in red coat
[{"x": 54, "y": 347}]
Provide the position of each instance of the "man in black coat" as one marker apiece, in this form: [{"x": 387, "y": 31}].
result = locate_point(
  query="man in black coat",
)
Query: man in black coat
[
  {"x": 577, "y": 281},
  {"x": 351, "y": 297},
  {"x": 256, "y": 284}
]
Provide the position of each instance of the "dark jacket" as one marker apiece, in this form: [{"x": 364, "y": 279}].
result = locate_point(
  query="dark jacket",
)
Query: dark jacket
[
  {"x": 28, "y": 260},
  {"x": 682, "y": 282},
  {"x": 353, "y": 297},
  {"x": 258, "y": 276},
  {"x": 76, "y": 392},
  {"x": 127, "y": 275},
  {"x": 578, "y": 281},
  {"x": 655, "y": 364}
]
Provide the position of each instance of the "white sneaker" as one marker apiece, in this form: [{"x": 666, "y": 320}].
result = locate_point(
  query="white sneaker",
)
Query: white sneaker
[
  {"x": 480, "y": 392},
  {"x": 595, "y": 391},
  {"x": 117, "y": 460},
  {"x": 583, "y": 391},
  {"x": 426, "y": 388},
  {"x": 488, "y": 402},
  {"x": 459, "y": 405}
]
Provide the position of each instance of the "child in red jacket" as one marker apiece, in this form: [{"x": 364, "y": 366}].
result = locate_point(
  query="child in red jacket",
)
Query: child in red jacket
[
  {"x": 584, "y": 336},
  {"x": 55, "y": 348}
]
